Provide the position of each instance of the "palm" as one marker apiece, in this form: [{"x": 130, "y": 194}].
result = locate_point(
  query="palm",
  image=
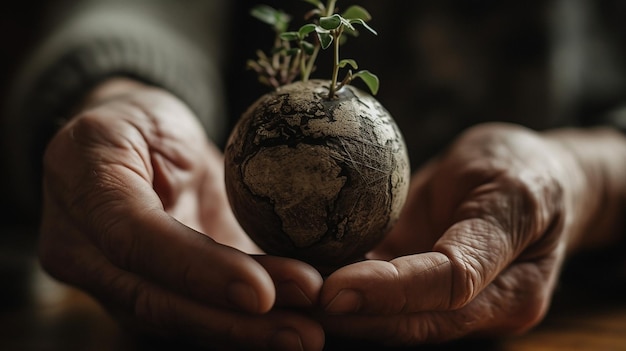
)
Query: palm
[
  {"x": 476, "y": 249},
  {"x": 136, "y": 214}
]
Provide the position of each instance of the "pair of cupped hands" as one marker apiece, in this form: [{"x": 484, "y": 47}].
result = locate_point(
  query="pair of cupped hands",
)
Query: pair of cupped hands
[{"x": 135, "y": 213}]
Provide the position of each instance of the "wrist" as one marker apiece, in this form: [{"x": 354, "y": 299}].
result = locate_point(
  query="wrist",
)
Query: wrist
[{"x": 593, "y": 162}]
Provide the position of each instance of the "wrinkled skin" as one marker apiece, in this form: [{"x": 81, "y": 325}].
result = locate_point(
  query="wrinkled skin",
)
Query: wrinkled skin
[
  {"x": 479, "y": 246},
  {"x": 135, "y": 213}
]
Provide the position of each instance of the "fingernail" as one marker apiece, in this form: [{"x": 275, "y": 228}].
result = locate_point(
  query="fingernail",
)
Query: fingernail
[
  {"x": 289, "y": 294},
  {"x": 346, "y": 301},
  {"x": 286, "y": 339},
  {"x": 244, "y": 296}
]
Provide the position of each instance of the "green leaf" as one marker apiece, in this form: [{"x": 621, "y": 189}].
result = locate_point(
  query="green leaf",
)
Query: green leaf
[
  {"x": 361, "y": 22},
  {"x": 350, "y": 62},
  {"x": 265, "y": 14},
  {"x": 279, "y": 20},
  {"x": 343, "y": 40},
  {"x": 306, "y": 29},
  {"x": 331, "y": 22},
  {"x": 347, "y": 25},
  {"x": 351, "y": 32},
  {"x": 308, "y": 47},
  {"x": 370, "y": 79},
  {"x": 356, "y": 12},
  {"x": 325, "y": 39},
  {"x": 282, "y": 22},
  {"x": 292, "y": 51},
  {"x": 290, "y": 36}
]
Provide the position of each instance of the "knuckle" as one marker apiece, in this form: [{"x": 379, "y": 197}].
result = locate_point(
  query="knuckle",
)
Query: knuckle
[
  {"x": 463, "y": 293},
  {"x": 88, "y": 127},
  {"x": 536, "y": 195},
  {"x": 466, "y": 277}
]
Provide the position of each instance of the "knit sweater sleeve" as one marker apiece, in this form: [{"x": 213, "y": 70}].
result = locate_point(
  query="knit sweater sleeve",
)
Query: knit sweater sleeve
[{"x": 171, "y": 44}]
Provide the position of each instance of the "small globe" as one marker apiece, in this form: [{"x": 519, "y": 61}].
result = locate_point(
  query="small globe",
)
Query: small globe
[{"x": 316, "y": 179}]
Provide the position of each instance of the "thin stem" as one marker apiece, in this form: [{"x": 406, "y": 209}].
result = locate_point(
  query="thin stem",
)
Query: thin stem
[
  {"x": 302, "y": 63},
  {"x": 276, "y": 55},
  {"x": 330, "y": 7},
  {"x": 284, "y": 69},
  {"x": 330, "y": 10},
  {"x": 346, "y": 80},
  {"x": 333, "y": 84},
  {"x": 294, "y": 69},
  {"x": 310, "y": 63}
]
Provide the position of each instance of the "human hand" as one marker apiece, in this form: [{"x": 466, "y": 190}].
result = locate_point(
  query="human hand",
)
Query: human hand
[
  {"x": 478, "y": 248},
  {"x": 135, "y": 213}
]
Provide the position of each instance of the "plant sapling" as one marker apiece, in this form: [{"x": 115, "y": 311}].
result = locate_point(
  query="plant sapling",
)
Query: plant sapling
[{"x": 316, "y": 169}]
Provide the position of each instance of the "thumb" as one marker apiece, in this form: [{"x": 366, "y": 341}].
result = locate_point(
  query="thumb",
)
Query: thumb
[{"x": 464, "y": 261}]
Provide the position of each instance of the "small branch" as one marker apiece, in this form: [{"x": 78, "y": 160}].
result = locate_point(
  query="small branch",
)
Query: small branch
[
  {"x": 309, "y": 65},
  {"x": 294, "y": 53},
  {"x": 330, "y": 7},
  {"x": 333, "y": 83},
  {"x": 276, "y": 55},
  {"x": 346, "y": 80},
  {"x": 284, "y": 69}
]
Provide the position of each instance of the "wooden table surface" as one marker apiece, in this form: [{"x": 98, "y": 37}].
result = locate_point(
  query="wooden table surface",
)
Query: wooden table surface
[{"x": 38, "y": 313}]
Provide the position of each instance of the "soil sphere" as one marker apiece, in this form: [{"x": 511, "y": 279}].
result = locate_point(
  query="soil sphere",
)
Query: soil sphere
[{"x": 316, "y": 179}]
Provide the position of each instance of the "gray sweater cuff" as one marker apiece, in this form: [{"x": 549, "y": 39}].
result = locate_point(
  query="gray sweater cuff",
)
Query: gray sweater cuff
[{"x": 84, "y": 53}]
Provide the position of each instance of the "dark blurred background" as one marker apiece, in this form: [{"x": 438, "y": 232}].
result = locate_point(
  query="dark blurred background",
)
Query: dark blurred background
[
  {"x": 540, "y": 63},
  {"x": 20, "y": 24},
  {"x": 444, "y": 64}
]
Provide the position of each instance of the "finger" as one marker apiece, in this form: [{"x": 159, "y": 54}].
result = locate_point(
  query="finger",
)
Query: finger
[
  {"x": 70, "y": 257},
  {"x": 125, "y": 220},
  {"x": 412, "y": 283},
  {"x": 113, "y": 202},
  {"x": 275, "y": 330},
  {"x": 297, "y": 284},
  {"x": 516, "y": 301},
  {"x": 492, "y": 228},
  {"x": 159, "y": 310},
  {"x": 471, "y": 254},
  {"x": 157, "y": 247}
]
